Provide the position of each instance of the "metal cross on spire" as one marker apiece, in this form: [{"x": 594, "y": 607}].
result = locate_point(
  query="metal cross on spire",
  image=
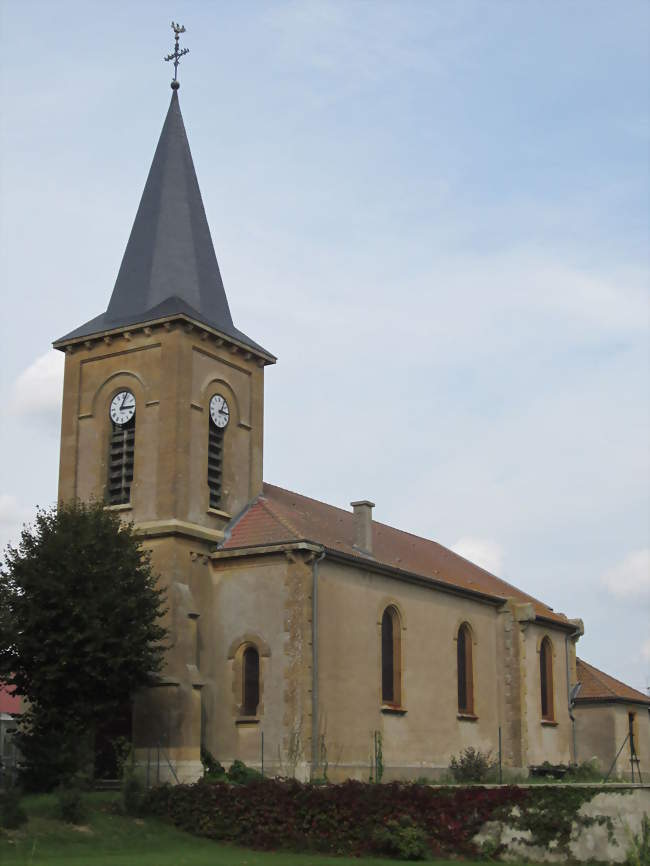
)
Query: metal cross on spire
[{"x": 176, "y": 56}]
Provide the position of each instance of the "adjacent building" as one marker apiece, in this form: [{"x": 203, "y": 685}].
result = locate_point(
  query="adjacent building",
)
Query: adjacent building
[{"x": 612, "y": 724}]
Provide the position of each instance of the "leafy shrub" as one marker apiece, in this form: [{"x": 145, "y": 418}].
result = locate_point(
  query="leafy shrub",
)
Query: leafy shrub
[
  {"x": 587, "y": 771},
  {"x": 133, "y": 792},
  {"x": 211, "y": 767},
  {"x": 336, "y": 819},
  {"x": 638, "y": 852},
  {"x": 12, "y": 814},
  {"x": 472, "y": 765},
  {"x": 122, "y": 754},
  {"x": 401, "y": 839},
  {"x": 240, "y": 774},
  {"x": 71, "y": 804}
]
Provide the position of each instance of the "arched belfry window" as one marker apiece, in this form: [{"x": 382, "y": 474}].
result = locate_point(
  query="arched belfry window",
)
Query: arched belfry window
[
  {"x": 219, "y": 417},
  {"x": 121, "y": 448},
  {"x": 250, "y": 681},
  {"x": 391, "y": 662},
  {"x": 546, "y": 679},
  {"x": 465, "y": 670}
]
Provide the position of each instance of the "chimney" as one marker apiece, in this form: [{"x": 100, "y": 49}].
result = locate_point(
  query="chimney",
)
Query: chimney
[{"x": 363, "y": 525}]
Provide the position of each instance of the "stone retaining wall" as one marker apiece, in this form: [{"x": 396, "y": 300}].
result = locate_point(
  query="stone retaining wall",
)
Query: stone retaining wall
[{"x": 618, "y": 814}]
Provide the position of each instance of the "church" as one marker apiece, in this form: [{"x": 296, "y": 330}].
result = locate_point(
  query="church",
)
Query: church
[{"x": 305, "y": 639}]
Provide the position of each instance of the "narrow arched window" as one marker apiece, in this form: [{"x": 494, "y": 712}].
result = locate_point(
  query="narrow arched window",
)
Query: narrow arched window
[
  {"x": 251, "y": 682},
  {"x": 465, "y": 670},
  {"x": 121, "y": 448},
  {"x": 546, "y": 678},
  {"x": 391, "y": 673}
]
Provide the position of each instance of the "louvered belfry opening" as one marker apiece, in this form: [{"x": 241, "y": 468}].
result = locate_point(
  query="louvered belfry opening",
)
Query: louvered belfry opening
[
  {"x": 215, "y": 463},
  {"x": 120, "y": 464}
]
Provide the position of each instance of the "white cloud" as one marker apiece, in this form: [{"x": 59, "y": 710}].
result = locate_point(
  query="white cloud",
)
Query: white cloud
[
  {"x": 630, "y": 577},
  {"x": 482, "y": 551},
  {"x": 38, "y": 389}
]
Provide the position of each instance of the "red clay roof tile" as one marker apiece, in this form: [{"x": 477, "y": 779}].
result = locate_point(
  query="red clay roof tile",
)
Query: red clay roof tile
[
  {"x": 599, "y": 686},
  {"x": 280, "y": 515},
  {"x": 9, "y": 702}
]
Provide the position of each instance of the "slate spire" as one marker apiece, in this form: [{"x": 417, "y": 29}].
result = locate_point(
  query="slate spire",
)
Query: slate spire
[
  {"x": 170, "y": 252},
  {"x": 169, "y": 265}
]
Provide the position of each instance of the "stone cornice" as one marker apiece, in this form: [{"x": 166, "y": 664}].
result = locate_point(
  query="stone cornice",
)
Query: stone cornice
[
  {"x": 127, "y": 332},
  {"x": 159, "y": 528}
]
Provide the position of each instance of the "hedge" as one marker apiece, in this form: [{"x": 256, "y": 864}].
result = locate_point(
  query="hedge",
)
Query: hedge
[{"x": 342, "y": 819}]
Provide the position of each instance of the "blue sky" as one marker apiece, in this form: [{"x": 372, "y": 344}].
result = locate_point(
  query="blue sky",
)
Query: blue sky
[{"x": 434, "y": 213}]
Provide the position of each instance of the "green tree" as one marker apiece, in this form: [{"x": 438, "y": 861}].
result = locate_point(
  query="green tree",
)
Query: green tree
[{"x": 81, "y": 617}]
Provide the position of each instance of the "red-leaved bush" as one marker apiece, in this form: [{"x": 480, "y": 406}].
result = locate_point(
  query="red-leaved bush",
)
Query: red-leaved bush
[{"x": 334, "y": 818}]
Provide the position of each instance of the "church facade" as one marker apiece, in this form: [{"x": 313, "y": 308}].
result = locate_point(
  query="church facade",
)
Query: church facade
[{"x": 302, "y": 635}]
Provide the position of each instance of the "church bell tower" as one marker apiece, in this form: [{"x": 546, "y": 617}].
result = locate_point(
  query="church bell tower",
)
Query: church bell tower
[{"x": 163, "y": 404}]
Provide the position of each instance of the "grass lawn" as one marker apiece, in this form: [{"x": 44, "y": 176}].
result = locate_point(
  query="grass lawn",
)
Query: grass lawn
[{"x": 109, "y": 839}]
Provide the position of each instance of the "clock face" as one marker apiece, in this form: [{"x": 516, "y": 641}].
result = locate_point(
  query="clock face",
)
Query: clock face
[
  {"x": 122, "y": 408},
  {"x": 219, "y": 411}
]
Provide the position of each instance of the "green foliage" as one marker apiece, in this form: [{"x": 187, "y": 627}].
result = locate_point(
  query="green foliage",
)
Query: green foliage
[
  {"x": 401, "y": 839},
  {"x": 212, "y": 769},
  {"x": 638, "y": 852},
  {"x": 240, "y": 774},
  {"x": 71, "y": 805},
  {"x": 551, "y": 812},
  {"x": 12, "y": 814},
  {"x": 490, "y": 848},
  {"x": 133, "y": 792},
  {"x": 472, "y": 765},
  {"x": 587, "y": 771},
  {"x": 81, "y": 631},
  {"x": 123, "y": 753},
  {"x": 351, "y": 818}
]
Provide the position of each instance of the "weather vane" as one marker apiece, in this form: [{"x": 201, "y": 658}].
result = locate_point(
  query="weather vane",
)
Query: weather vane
[{"x": 176, "y": 56}]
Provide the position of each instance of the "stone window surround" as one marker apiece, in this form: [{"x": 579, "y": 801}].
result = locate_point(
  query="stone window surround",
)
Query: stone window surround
[
  {"x": 549, "y": 719},
  {"x": 120, "y": 380},
  {"x": 468, "y": 714},
  {"x": 236, "y": 657},
  {"x": 397, "y": 707}
]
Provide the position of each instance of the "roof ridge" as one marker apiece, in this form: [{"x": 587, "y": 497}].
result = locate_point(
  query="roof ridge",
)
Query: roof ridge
[
  {"x": 504, "y": 583},
  {"x": 264, "y": 502},
  {"x": 237, "y": 519},
  {"x": 310, "y": 498}
]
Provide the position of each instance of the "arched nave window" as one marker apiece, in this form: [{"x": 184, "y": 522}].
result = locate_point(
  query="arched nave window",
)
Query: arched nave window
[
  {"x": 546, "y": 678},
  {"x": 465, "y": 671},
  {"x": 391, "y": 662},
  {"x": 250, "y": 681}
]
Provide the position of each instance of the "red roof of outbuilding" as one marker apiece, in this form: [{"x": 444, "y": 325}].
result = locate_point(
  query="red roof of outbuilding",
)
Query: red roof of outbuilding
[
  {"x": 599, "y": 686},
  {"x": 280, "y": 516},
  {"x": 9, "y": 702}
]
